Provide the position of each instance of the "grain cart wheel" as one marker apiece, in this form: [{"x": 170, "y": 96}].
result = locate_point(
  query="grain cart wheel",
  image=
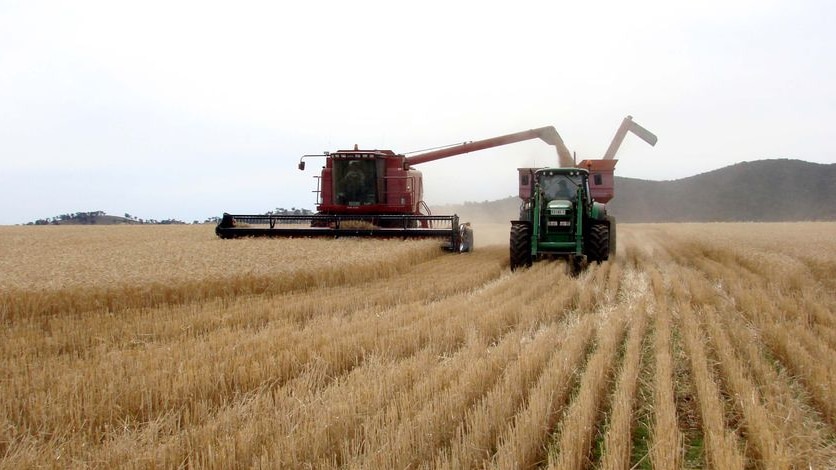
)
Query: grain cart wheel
[
  {"x": 598, "y": 245},
  {"x": 611, "y": 219},
  {"x": 520, "y": 246}
]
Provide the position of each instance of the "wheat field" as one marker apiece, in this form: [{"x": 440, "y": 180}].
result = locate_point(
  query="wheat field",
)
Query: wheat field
[{"x": 698, "y": 346}]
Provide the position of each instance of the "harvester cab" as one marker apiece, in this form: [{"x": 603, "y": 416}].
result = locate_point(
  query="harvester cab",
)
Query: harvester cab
[
  {"x": 367, "y": 183},
  {"x": 563, "y": 212}
]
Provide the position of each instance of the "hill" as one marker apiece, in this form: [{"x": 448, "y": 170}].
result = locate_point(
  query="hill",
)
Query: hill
[
  {"x": 764, "y": 191},
  {"x": 761, "y": 191}
]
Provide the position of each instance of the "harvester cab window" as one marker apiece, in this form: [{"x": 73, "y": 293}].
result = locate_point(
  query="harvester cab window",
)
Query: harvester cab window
[
  {"x": 557, "y": 186},
  {"x": 355, "y": 182}
]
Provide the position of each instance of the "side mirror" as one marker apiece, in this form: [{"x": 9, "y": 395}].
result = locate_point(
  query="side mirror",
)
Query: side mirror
[{"x": 302, "y": 165}]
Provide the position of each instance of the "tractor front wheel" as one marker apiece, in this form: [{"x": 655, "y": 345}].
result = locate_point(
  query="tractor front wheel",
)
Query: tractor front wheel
[
  {"x": 598, "y": 245},
  {"x": 520, "y": 246}
]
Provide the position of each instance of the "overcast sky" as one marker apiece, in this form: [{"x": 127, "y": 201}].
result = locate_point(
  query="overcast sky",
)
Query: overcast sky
[{"x": 188, "y": 109}]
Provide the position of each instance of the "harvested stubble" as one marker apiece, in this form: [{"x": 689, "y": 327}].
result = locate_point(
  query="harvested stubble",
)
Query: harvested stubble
[
  {"x": 521, "y": 445},
  {"x": 618, "y": 442},
  {"x": 666, "y": 443},
  {"x": 394, "y": 354},
  {"x": 578, "y": 426},
  {"x": 478, "y": 431},
  {"x": 721, "y": 441}
]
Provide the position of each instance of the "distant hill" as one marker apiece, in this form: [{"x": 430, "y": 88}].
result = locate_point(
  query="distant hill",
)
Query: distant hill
[{"x": 762, "y": 191}]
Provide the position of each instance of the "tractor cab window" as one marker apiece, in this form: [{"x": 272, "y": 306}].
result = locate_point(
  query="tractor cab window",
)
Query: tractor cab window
[
  {"x": 560, "y": 186},
  {"x": 354, "y": 181}
]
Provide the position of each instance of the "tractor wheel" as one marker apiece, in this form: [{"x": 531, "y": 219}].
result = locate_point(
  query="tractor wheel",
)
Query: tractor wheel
[
  {"x": 611, "y": 219},
  {"x": 520, "y": 246},
  {"x": 598, "y": 244}
]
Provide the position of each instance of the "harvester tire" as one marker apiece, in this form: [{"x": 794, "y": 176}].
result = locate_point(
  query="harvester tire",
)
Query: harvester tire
[
  {"x": 465, "y": 238},
  {"x": 598, "y": 243},
  {"x": 612, "y": 252},
  {"x": 520, "y": 246}
]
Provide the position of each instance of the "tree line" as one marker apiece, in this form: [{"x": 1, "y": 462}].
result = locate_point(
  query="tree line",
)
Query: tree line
[
  {"x": 101, "y": 217},
  {"x": 98, "y": 217}
]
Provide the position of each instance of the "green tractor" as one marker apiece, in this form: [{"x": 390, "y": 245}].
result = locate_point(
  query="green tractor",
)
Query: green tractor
[
  {"x": 563, "y": 212},
  {"x": 559, "y": 218}
]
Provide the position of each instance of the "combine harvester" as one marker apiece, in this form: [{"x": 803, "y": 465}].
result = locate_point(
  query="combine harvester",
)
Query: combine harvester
[
  {"x": 563, "y": 212},
  {"x": 378, "y": 193}
]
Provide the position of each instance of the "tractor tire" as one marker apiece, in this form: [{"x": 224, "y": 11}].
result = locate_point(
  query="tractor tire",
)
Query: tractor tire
[
  {"x": 612, "y": 252},
  {"x": 520, "y": 246},
  {"x": 598, "y": 244}
]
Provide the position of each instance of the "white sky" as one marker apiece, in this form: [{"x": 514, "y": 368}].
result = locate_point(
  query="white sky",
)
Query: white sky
[{"x": 189, "y": 109}]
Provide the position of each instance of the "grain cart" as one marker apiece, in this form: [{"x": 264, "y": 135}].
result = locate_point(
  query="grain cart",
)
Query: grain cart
[
  {"x": 378, "y": 193},
  {"x": 563, "y": 212}
]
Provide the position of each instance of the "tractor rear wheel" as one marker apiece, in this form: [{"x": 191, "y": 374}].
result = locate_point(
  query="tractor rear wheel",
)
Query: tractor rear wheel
[
  {"x": 598, "y": 244},
  {"x": 520, "y": 246},
  {"x": 611, "y": 219}
]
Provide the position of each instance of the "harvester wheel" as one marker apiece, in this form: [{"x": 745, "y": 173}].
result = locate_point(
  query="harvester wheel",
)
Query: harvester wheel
[
  {"x": 520, "y": 246},
  {"x": 598, "y": 245},
  {"x": 465, "y": 238},
  {"x": 611, "y": 219}
]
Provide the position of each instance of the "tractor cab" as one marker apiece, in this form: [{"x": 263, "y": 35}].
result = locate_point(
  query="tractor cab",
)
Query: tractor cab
[
  {"x": 556, "y": 188},
  {"x": 560, "y": 195},
  {"x": 561, "y": 185}
]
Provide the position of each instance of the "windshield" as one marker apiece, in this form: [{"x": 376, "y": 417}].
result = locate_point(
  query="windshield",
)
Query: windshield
[
  {"x": 354, "y": 182},
  {"x": 557, "y": 186}
]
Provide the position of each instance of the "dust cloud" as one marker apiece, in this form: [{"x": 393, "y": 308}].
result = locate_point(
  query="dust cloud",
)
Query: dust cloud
[{"x": 490, "y": 233}]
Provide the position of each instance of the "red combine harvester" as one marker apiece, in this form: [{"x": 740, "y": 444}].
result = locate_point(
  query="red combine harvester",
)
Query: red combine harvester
[{"x": 378, "y": 193}]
